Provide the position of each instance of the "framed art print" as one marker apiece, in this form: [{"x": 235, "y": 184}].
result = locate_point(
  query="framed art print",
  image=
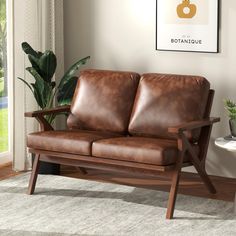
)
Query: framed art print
[{"x": 187, "y": 25}]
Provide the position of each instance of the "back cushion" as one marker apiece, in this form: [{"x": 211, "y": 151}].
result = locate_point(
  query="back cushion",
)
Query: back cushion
[
  {"x": 103, "y": 101},
  {"x": 163, "y": 101}
]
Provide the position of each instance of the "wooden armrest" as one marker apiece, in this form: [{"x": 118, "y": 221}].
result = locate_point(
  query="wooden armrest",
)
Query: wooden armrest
[
  {"x": 193, "y": 125},
  {"x": 55, "y": 110}
]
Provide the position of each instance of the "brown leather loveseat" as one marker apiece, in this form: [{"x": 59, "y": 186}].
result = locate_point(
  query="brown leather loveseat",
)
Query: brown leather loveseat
[{"x": 154, "y": 124}]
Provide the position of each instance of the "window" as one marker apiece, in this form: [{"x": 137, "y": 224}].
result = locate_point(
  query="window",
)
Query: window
[
  {"x": 6, "y": 75},
  {"x": 3, "y": 80}
]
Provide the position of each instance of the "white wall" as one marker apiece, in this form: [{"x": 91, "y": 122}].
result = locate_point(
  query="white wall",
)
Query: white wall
[{"x": 120, "y": 35}]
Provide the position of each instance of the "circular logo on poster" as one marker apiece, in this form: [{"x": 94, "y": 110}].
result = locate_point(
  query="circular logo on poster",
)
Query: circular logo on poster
[{"x": 186, "y": 9}]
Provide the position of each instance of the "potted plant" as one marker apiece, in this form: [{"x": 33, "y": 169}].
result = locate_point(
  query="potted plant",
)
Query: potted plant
[
  {"x": 230, "y": 106},
  {"x": 45, "y": 90}
]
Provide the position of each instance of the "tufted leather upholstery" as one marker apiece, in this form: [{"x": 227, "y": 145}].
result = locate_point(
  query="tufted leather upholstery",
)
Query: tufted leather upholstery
[
  {"x": 103, "y": 101},
  {"x": 164, "y": 100}
]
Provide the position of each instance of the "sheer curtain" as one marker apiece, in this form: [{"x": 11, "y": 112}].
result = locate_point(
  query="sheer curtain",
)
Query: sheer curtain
[{"x": 40, "y": 23}]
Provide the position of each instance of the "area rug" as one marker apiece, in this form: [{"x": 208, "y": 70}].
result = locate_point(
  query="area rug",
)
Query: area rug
[{"x": 64, "y": 206}]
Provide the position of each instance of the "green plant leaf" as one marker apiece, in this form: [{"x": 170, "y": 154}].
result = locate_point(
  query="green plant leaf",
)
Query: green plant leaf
[
  {"x": 36, "y": 76},
  {"x": 43, "y": 68},
  {"x": 39, "y": 84},
  {"x": 35, "y": 63},
  {"x": 26, "y": 83},
  {"x": 230, "y": 106},
  {"x": 66, "y": 92},
  {"x": 39, "y": 53},
  {"x": 47, "y": 64},
  {"x": 72, "y": 70},
  {"x": 47, "y": 94},
  {"x": 35, "y": 89},
  {"x": 38, "y": 96},
  {"x": 29, "y": 50}
]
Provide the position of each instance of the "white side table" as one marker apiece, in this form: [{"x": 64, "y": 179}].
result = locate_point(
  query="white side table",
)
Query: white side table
[{"x": 230, "y": 146}]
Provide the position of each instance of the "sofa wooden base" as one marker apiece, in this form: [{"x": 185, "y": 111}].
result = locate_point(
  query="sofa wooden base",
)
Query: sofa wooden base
[{"x": 173, "y": 172}]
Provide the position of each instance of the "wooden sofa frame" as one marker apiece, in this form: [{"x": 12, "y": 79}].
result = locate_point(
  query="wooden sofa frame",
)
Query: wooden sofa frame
[{"x": 171, "y": 171}]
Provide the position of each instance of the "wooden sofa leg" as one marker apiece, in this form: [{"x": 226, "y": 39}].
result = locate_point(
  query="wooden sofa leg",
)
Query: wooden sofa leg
[
  {"x": 34, "y": 175},
  {"x": 173, "y": 194},
  {"x": 200, "y": 169},
  {"x": 205, "y": 178},
  {"x": 175, "y": 182}
]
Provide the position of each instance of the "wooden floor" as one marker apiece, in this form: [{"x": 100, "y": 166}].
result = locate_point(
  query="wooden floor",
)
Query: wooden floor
[
  {"x": 6, "y": 171},
  {"x": 190, "y": 184}
]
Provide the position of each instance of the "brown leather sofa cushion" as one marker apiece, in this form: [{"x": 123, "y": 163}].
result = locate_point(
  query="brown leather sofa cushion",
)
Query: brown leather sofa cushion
[
  {"x": 74, "y": 142},
  {"x": 163, "y": 101},
  {"x": 103, "y": 100},
  {"x": 138, "y": 149}
]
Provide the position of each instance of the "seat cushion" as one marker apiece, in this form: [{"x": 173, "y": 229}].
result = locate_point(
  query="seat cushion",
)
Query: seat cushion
[
  {"x": 72, "y": 141},
  {"x": 103, "y": 100},
  {"x": 138, "y": 149},
  {"x": 163, "y": 101}
]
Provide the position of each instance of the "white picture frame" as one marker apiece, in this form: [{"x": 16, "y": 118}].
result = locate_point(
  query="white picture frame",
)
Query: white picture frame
[{"x": 187, "y": 25}]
